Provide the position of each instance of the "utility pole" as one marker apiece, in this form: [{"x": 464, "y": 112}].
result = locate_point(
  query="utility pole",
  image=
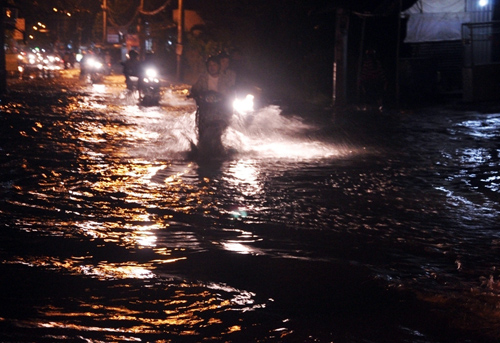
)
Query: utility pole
[
  {"x": 398, "y": 47},
  {"x": 340, "y": 63},
  {"x": 3, "y": 71},
  {"x": 360, "y": 59},
  {"x": 178, "y": 49},
  {"x": 141, "y": 30},
  {"x": 104, "y": 22}
]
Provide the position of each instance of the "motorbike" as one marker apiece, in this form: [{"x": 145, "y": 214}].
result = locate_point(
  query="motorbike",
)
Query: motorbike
[
  {"x": 213, "y": 116},
  {"x": 94, "y": 69},
  {"x": 147, "y": 85}
]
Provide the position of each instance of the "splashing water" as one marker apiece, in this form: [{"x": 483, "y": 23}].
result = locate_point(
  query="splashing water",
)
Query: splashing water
[
  {"x": 265, "y": 133},
  {"x": 268, "y": 134}
]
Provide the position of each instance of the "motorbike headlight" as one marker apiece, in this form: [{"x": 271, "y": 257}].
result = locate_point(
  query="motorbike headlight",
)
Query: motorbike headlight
[
  {"x": 244, "y": 106},
  {"x": 151, "y": 73},
  {"x": 92, "y": 62}
]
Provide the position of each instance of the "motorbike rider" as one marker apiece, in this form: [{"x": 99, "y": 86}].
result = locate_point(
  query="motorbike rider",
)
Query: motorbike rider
[
  {"x": 144, "y": 65},
  {"x": 90, "y": 69},
  {"x": 212, "y": 80},
  {"x": 131, "y": 67},
  {"x": 226, "y": 73},
  {"x": 213, "y": 116},
  {"x": 83, "y": 64},
  {"x": 148, "y": 83}
]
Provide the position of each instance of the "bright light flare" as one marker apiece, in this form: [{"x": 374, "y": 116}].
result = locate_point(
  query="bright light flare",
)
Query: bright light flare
[
  {"x": 151, "y": 73},
  {"x": 244, "y": 106},
  {"x": 92, "y": 62},
  {"x": 151, "y": 76}
]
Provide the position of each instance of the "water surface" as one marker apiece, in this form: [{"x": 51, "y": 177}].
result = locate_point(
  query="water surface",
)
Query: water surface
[{"x": 321, "y": 227}]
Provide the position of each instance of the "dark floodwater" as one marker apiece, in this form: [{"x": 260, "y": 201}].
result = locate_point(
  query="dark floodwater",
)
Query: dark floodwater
[{"x": 345, "y": 228}]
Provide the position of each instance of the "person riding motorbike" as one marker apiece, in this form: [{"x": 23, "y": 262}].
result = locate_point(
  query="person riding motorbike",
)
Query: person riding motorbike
[
  {"x": 131, "y": 68},
  {"x": 226, "y": 72},
  {"x": 212, "y": 93},
  {"x": 149, "y": 83},
  {"x": 91, "y": 67}
]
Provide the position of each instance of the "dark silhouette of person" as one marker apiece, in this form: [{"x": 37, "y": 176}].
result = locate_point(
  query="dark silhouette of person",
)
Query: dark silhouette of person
[{"x": 131, "y": 67}]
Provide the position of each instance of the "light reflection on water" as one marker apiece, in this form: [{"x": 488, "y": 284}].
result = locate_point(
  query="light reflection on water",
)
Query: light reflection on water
[{"x": 119, "y": 237}]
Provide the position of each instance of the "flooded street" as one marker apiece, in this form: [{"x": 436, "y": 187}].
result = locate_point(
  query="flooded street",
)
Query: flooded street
[{"x": 320, "y": 227}]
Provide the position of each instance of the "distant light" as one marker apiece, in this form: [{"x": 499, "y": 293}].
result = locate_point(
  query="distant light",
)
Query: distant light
[
  {"x": 68, "y": 14},
  {"x": 483, "y": 3},
  {"x": 54, "y": 9}
]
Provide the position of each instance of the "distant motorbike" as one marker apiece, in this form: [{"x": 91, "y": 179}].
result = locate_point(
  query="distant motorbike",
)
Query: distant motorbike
[
  {"x": 149, "y": 87},
  {"x": 94, "y": 68}
]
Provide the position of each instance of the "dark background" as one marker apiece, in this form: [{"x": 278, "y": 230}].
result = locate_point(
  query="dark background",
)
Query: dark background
[{"x": 288, "y": 45}]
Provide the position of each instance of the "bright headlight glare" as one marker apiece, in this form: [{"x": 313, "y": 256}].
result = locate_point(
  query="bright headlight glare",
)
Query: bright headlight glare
[
  {"x": 151, "y": 73},
  {"x": 244, "y": 106}
]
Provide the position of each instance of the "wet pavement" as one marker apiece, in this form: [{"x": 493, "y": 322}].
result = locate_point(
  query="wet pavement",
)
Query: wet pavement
[{"x": 323, "y": 226}]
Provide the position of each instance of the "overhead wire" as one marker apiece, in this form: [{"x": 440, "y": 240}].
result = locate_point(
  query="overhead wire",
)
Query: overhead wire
[{"x": 139, "y": 10}]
